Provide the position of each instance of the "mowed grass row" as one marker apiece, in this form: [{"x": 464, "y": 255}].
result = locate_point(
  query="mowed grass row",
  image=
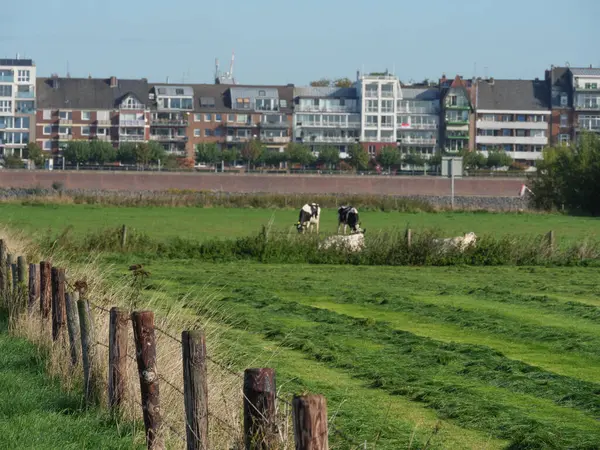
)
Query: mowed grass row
[
  {"x": 513, "y": 378},
  {"x": 201, "y": 224}
]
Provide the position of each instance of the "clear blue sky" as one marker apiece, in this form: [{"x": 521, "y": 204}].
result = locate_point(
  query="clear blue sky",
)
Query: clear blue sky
[{"x": 285, "y": 42}]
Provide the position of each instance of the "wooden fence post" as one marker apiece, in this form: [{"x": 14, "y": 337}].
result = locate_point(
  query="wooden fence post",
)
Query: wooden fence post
[
  {"x": 45, "y": 288},
  {"x": 145, "y": 346},
  {"x": 551, "y": 240},
  {"x": 408, "y": 237},
  {"x": 3, "y": 271},
  {"x": 259, "y": 409},
  {"x": 73, "y": 325},
  {"x": 310, "y": 422},
  {"x": 11, "y": 267},
  {"x": 59, "y": 311},
  {"x": 195, "y": 389},
  {"x": 123, "y": 236},
  {"x": 22, "y": 270},
  {"x": 87, "y": 351},
  {"x": 117, "y": 356},
  {"x": 34, "y": 287}
]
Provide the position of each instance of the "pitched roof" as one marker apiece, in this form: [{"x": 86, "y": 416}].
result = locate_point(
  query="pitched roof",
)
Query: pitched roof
[
  {"x": 589, "y": 71},
  {"x": 520, "y": 95},
  {"x": 324, "y": 91},
  {"x": 171, "y": 90},
  {"x": 423, "y": 94},
  {"x": 87, "y": 93}
]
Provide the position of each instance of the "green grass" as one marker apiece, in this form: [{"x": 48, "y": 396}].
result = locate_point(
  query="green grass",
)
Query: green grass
[
  {"x": 205, "y": 223},
  {"x": 35, "y": 413}
]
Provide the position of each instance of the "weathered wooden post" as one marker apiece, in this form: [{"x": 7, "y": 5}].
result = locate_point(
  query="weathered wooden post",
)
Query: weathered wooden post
[
  {"x": 12, "y": 271},
  {"x": 73, "y": 325},
  {"x": 45, "y": 289},
  {"x": 59, "y": 310},
  {"x": 87, "y": 351},
  {"x": 309, "y": 415},
  {"x": 259, "y": 409},
  {"x": 117, "y": 356},
  {"x": 3, "y": 271},
  {"x": 551, "y": 240},
  {"x": 408, "y": 237},
  {"x": 34, "y": 287},
  {"x": 195, "y": 389},
  {"x": 123, "y": 236},
  {"x": 22, "y": 270},
  {"x": 145, "y": 346}
]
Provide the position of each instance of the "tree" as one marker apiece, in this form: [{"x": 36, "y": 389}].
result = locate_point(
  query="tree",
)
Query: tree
[
  {"x": 13, "y": 162},
  {"x": 35, "y": 153},
  {"x": 102, "y": 152},
  {"x": 474, "y": 160},
  {"x": 208, "y": 153},
  {"x": 568, "y": 177},
  {"x": 329, "y": 156},
  {"x": 388, "y": 156},
  {"x": 272, "y": 157},
  {"x": 149, "y": 152},
  {"x": 414, "y": 159},
  {"x": 185, "y": 163},
  {"x": 251, "y": 151},
  {"x": 358, "y": 157},
  {"x": 498, "y": 159},
  {"x": 343, "y": 82},
  {"x": 436, "y": 159},
  {"x": 77, "y": 152},
  {"x": 126, "y": 153},
  {"x": 170, "y": 162},
  {"x": 323, "y": 82},
  {"x": 231, "y": 155},
  {"x": 299, "y": 154}
]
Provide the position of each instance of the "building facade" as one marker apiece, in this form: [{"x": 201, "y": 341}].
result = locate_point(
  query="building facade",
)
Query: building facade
[
  {"x": 17, "y": 105},
  {"x": 327, "y": 116},
  {"x": 418, "y": 120},
  {"x": 379, "y": 97},
  {"x": 169, "y": 117},
  {"x": 562, "y": 116},
  {"x": 110, "y": 110},
  {"x": 457, "y": 112},
  {"x": 513, "y": 116},
  {"x": 586, "y": 100}
]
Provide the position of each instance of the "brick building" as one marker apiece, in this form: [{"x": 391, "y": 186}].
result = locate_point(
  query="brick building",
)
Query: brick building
[{"x": 562, "y": 115}]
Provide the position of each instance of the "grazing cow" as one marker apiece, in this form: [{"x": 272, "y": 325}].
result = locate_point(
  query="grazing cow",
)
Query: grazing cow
[
  {"x": 309, "y": 218},
  {"x": 348, "y": 216},
  {"x": 461, "y": 243},
  {"x": 353, "y": 243}
]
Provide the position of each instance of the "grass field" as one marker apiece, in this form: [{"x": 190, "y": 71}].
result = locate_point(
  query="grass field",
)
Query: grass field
[
  {"x": 35, "y": 413},
  {"x": 205, "y": 223}
]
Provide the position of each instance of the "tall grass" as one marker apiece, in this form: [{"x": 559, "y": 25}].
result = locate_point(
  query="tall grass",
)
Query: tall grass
[{"x": 381, "y": 248}]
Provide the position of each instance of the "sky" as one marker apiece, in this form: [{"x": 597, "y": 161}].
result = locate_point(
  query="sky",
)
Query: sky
[{"x": 278, "y": 42}]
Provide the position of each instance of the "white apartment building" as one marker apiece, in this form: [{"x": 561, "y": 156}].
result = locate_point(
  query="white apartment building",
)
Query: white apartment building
[
  {"x": 379, "y": 97},
  {"x": 512, "y": 116},
  {"x": 586, "y": 99},
  {"x": 17, "y": 105},
  {"x": 327, "y": 116},
  {"x": 418, "y": 120}
]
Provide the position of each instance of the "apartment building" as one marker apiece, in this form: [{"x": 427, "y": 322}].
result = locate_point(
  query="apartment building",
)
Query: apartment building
[
  {"x": 418, "y": 120},
  {"x": 586, "y": 99},
  {"x": 110, "y": 110},
  {"x": 327, "y": 116},
  {"x": 457, "y": 112},
  {"x": 513, "y": 116},
  {"x": 171, "y": 107},
  {"x": 17, "y": 105},
  {"x": 378, "y": 98},
  {"x": 562, "y": 116}
]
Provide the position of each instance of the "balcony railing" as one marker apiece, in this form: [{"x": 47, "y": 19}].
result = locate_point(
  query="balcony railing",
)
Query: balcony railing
[
  {"x": 168, "y": 122},
  {"x": 387, "y": 125},
  {"x": 418, "y": 141},
  {"x": 457, "y": 135},
  {"x": 25, "y": 110},
  {"x": 7, "y": 78},
  {"x": 65, "y": 137},
  {"x": 237, "y": 139},
  {"x": 588, "y": 107},
  {"x": 387, "y": 94},
  {"x": 493, "y": 125},
  {"x": 274, "y": 124},
  {"x": 168, "y": 137},
  {"x": 421, "y": 126},
  {"x": 456, "y": 122},
  {"x": 330, "y": 139},
  {"x": 354, "y": 125},
  {"x": 523, "y": 140},
  {"x": 463, "y": 107},
  {"x": 65, "y": 121},
  {"x": 132, "y": 123},
  {"x": 103, "y": 122},
  {"x": 371, "y": 94},
  {"x": 587, "y": 89},
  {"x": 327, "y": 109},
  {"x": 276, "y": 139},
  {"x": 132, "y": 137},
  {"x": 29, "y": 94},
  {"x": 417, "y": 110}
]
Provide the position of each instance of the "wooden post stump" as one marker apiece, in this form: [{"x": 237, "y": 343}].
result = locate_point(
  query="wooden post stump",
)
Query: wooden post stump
[
  {"x": 117, "y": 356},
  {"x": 310, "y": 422},
  {"x": 551, "y": 239},
  {"x": 408, "y": 237},
  {"x": 73, "y": 325},
  {"x": 195, "y": 389},
  {"x": 45, "y": 289},
  {"x": 123, "y": 236},
  {"x": 21, "y": 270},
  {"x": 259, "y": 409},
  {"x": 3, "y": 271},
  {"x": 88, "y": 355},
  {"x": 145, "y": 346},
  {"x": 34, "y": 287},
  {"x": 59, "y": 310}
]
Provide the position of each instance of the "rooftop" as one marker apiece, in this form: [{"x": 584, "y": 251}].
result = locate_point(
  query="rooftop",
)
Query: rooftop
[
  {"x": 519, "y": 95},
  {"x": 582, "y": 72},
  {"x": 423, "y": 94},
  {"x": 321, "y": 92},
  {"x": 16, "y": 62}
]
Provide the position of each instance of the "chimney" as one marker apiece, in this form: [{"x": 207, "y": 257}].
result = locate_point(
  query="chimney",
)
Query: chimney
[
  {"x": 113, "y": 82},
  {"x": 491, "y": 80},
  {"x": 54, "y": 81}
]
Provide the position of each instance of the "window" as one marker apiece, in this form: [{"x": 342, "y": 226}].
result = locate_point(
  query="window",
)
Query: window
[
  {"x": 387, "y": 121},
  {"x": 64, "y": 130},
  {"x": 564, "y": 100},
  {"x": 197, "y": 117},
  {"x": 218, "y": 117},
  {"x": 563, "y": 120},
  {"x": 102, "y": 116},
  {"x": 47, "y": 114},
  {"x": 27, "y": 107},
  {"x": 131, "y": 103},
  {"x": 387, "y": 106},
  {"x": 47, "y": 129},
  {"x": 342, "y": 101},
  {"x": 208, "y": 133},
  {"x": 261, "y": 93},
  {"x": 520, "y": 133},
  {"x": 488, "y": 118},
  {"x": 208, "y": 117},
  {"x": 178, "y": 91},
  {"x": 266, "y": 104},
  {"x": 564, "y": 139},
  {"x": 5, "y": 106},
  {"x": 230, "y": 117},
  {"x": 520, "y": 148},
  {"x": 23, "y": 76},
  {"x": 5, "y": 90},
  {"x": 47, "y": 145},
  {"x": 520, "y": 118},
  {"x": 283, "y": 103},
  {"x": 22, "y": 123},
  {"x": 591, "y": 85},
  {"x": 508, "y": 148},
  {"x": 65, "y": 115},
  {"x": 101, "y": 132},
  {"x": 372, "y": 105},
  {"x": 371, "y": 150},
  {"x": 242, "y": 118},
  {"x": 218, "y": 132},
  {"x": 538, "y": 133},
  {"x": 85, "y": 131},
  {"x": 197, "y": 132},
  {"x": 506, "y": 132},
  {"x": 372, "y": 121},
  {"x": 86, "y": 115}
]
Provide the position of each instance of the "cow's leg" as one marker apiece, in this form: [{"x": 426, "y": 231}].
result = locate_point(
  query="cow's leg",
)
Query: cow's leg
[
  {"x": 339, "y": 225},
  {"x": 317, "y": 227}
]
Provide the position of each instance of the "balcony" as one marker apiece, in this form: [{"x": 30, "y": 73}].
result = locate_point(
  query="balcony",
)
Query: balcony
[
  {"x": 418, "y": 141},
  {"x": 352, "y": 125},
  {"x": 417, "y": 110},
  {"x": 7, "y": 78},
  {"x": 330, "y": 139},
  {"x": 279, "y": 125},
  {"x": 457, "y": 135},
  {"x": 387, "y": 139},
  {"x": 168, "y": 138},
  {"x": 65, "y": 121},
  {"x": 132, "y": 123},
  {"x": 491, "y": 125},
  {"x": 65, "y": 137},
  {"x": 421, "y": 126},
  {"x": 371, "y": 93},
  {"x": 327, "y": 109},
  {"x": 387, "y": 125},
  {"x": 456, "y": 122},
  {"x": 387, "y": 94},
  {"x": 25, "y": 110},
  {"x": 276, "y": 139},
  {"x": 237, "y": 139},
  {"x": 29, "y": 94},
  {"x": 240, "y": 124},
  {"x": 588, "y": 107},
  {"x": 528, "y": 156},
  {"x": 168, "y": 122},
  {"x": 501, "y": 140},
  {"x": 132, "y": 137},
  {"x": 99, "y": 122},
  {"x": 458, "y": 107}
]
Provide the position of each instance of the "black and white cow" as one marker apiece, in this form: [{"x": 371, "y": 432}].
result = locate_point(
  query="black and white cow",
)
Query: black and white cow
[
  {"x": 348, "y": 216},
  {"x": 309, "y": 218}
]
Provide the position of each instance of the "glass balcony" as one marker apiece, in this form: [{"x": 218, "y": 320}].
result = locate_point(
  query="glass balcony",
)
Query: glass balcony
[
  {"x": 7, "y": 78},
  {"x": 28, "y": 94}
]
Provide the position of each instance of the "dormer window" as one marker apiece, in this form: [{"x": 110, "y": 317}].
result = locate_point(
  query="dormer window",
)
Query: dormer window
[
  {"x": 131, "y": 103},
  {"x": 262, "y": 93}
]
